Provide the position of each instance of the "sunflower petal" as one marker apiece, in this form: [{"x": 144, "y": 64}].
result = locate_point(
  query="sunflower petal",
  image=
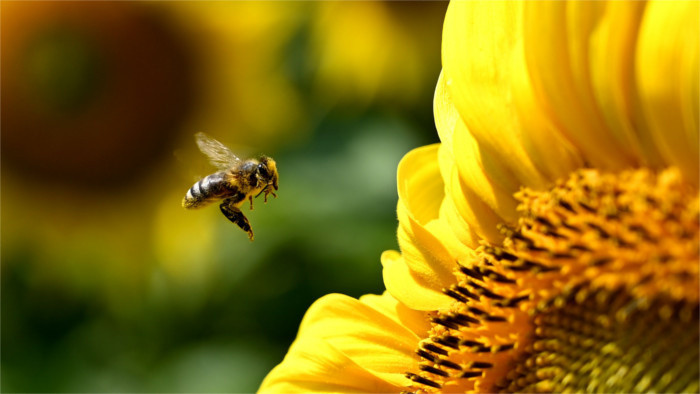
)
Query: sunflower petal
[
  {"x": 348, "y": 344},
  {"x": 413, "y": 290},
  {"x": 421, "y": 191},
  {"x": 461, "y": 229},
  {"x": 420, "y": 186},
  {"x": 612, "y": 47},
  {"x": 667, "y": 77},
  {"x": 395, "y": 310},
  {"x": 489, "y": 83},
  {"x": 378, "y": 343},
  {"x": 481, "y": 172},
  {"x": 557, "y": 37},
  {"x": 312, "y": 365},
  {"x": 466, "y": 180},
  {"x": 469, "y": 217}
]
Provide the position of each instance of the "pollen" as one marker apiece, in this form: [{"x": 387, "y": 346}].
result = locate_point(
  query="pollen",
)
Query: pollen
[{"x": 594, "y": 289}]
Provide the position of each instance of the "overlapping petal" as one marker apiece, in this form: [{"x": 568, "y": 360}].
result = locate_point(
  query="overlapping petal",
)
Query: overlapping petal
[
  {"x": 491, "y": 87},
  {"x": 559, "y": 67},
  {"x": 667, "y": 76},
  {"x": 313, "y": 365},
  {"x": 409, "y": 287},
  {"x": 606, "y": 84},
  {"x": 349, "y": 345},
  {"x": 428, "y": 261},
  {"x": 612, "y": 63},
  {"x": 466, "y": 177}
]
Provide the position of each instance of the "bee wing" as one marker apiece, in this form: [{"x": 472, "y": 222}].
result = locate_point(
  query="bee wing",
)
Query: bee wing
[{"x": 219, "y": 155}]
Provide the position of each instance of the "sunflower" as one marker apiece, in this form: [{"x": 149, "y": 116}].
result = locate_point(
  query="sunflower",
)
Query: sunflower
[{"x": 550, "y": 241}]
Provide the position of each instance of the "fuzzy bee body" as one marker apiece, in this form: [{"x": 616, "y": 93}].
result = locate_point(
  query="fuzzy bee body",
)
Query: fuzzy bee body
[{"x": 239, "y": 180}]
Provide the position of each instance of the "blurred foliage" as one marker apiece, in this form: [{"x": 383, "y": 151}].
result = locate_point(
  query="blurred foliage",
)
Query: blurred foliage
[{"x": 107, "y": 283}]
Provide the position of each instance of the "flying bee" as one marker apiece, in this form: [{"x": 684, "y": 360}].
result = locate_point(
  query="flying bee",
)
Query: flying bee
[{"x": 236, "y": 181}]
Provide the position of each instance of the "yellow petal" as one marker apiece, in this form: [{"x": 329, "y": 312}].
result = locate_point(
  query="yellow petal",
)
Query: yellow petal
[
  {"x": 448, "y": 235},
  {"x": 557, "y": 37},
  {"x": 475, "y": 195},
  {"x": 314, "y": 366},
  {"x": 481, "y": 172},
  {"x": 465, "y": 211},
  {"x": 347, "y": 345},
  {"x": 612, "y": 49},
  {"x": 446, "y": 115},
  {"x": 413, "y": 290},
  {"x": 421, "y": 191},
  {"x": 488, "y": 82},
  {"x": 379, "y": 344},
  {"x": 413, "y": 320},
  {"x": 460, "y": 228},
  {"x": 420, "y": 186},
  {"x": 667, "y": 76}
]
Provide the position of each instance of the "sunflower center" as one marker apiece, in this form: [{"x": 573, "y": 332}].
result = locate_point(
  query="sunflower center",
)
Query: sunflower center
[{"x": 582, "y": 294}]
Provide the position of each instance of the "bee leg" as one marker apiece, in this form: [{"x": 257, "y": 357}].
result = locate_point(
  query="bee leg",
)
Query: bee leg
[
  {"x": 268, "y": 191},
  {"x": 251, "y": 202},
  {"x": 235, "y": 215}
]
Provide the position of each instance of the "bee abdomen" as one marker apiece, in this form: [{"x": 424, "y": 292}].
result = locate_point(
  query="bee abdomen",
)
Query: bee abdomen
[{"x": 203, "y": 192}]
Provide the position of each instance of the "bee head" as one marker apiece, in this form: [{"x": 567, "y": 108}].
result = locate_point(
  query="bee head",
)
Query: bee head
[{"x": 268, "y": 171}]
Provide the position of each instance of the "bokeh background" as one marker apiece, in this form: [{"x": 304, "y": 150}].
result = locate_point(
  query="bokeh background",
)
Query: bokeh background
[{"x": 108, "y": 285}]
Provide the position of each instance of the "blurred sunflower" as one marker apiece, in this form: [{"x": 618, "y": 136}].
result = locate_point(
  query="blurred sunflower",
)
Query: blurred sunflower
[
  {"x": 92, "y": 101},
  {"x": 550, "y": 242},
  {"x": 96, "y": 96},
  {"x": 340, "y": 51}
]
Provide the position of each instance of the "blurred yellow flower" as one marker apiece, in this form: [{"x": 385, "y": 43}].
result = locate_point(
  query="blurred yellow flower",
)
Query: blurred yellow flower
[
  {"x": 385, "y": 60},
  {"x": 550, "y": 242},
  {"x": 242, "y": 80}
]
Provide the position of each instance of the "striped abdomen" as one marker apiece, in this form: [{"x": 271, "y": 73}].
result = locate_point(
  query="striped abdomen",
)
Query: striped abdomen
[{"x": 206, "y": 190}]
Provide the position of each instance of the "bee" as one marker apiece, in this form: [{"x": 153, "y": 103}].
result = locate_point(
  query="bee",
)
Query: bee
[{"x": 236, "y": 181}]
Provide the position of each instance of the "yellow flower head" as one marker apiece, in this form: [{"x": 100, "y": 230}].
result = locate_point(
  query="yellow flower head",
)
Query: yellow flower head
[{"x": 550, "y": 241}]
